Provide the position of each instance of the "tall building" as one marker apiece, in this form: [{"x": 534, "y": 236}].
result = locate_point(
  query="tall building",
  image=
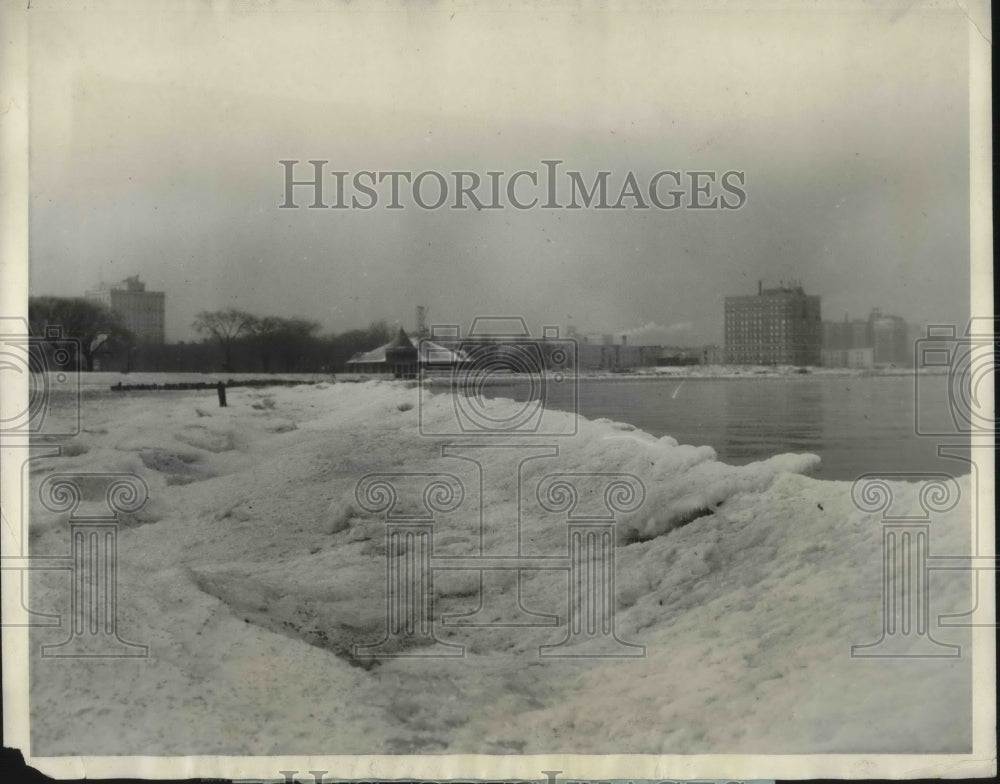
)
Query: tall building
[
  {"x": 779, "y": 326},
  {"x": 836, "y": 334},
  {"x": 845, "y": 335},
  {"x": 891, "y": 344},
  {"x": 878, "y": 341},
  {"x": 141, "y": 310}
]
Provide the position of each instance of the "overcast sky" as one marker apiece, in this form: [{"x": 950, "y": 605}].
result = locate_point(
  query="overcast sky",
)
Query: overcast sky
[{"x": 156, "y": 131}]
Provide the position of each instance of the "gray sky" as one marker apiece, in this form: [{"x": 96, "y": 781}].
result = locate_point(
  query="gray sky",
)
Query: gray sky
[{"x": 156, "y": 131}]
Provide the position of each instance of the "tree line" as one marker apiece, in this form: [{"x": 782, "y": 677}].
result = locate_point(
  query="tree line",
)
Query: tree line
[{"x": 231, "y": 340}]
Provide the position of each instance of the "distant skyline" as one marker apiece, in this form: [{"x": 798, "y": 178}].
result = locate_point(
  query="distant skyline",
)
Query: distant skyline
[
  {"x": 651, "y": 333},
  {"x": 156, "y": 136}
]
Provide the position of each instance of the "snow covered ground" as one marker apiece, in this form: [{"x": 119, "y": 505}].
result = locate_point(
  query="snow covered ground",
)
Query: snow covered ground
[{"x": 253, "y": 571}]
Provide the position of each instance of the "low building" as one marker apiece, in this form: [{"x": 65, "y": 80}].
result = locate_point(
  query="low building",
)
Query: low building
[
  {"x": 678, "y": 357},
  {"x": 400, "y": 358},
  {"x": 611, "y": 356},
  {"x": 713, "y": 355},
  {"x": 397, "y": 358}
]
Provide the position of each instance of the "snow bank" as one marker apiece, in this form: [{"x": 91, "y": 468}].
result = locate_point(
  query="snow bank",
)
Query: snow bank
[{"x": 253, "y": 572}]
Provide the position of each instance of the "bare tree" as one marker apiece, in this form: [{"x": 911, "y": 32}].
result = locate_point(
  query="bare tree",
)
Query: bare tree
[
  {"x": 292, "y": 340},
  {"x": 284, "y": 338},
  {"x": 225, "y": 327},
  {"x": 98, "y": 329},
  {"x": 264, "y": 331},
  {"x": 379, "y": 332}
]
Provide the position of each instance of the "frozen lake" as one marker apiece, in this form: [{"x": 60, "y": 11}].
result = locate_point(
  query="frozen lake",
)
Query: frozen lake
[{"x": 856, "y": 424}]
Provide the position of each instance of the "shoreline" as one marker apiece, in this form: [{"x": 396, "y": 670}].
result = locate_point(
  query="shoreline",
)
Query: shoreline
[{"x": 710, "y": 372}]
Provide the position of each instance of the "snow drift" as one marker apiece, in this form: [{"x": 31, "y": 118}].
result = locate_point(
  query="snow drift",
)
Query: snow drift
[{"x": 253, "y": 572}]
